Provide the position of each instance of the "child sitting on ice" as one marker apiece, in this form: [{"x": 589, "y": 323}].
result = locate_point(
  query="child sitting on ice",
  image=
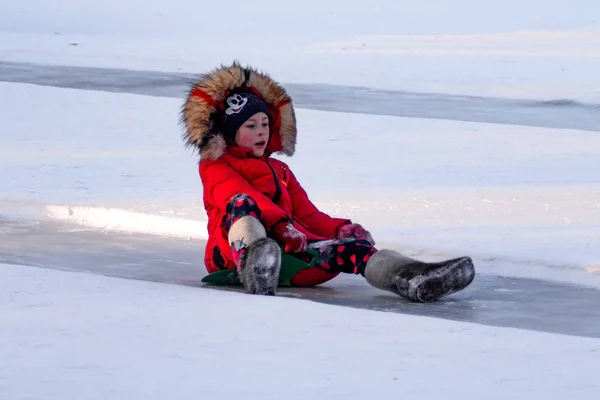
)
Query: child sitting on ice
[{"x": 237, "y": 118}]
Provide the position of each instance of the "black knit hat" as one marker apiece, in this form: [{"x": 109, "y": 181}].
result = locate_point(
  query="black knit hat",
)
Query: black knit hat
[{"x": 239, "y": 106}]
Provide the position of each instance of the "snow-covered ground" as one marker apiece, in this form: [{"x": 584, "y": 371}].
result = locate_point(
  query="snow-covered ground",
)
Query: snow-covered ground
[
  {"x": 542, "y": 49},
  {"x": 523, "y": 201},
  {"x": 68, "y": 335}
]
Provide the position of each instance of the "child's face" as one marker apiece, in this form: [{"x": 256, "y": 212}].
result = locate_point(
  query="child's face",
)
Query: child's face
[{"x": 254, "y": 134}]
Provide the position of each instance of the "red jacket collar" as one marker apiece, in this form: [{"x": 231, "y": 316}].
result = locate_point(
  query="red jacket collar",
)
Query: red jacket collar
[{"x": 244, "y": 152}]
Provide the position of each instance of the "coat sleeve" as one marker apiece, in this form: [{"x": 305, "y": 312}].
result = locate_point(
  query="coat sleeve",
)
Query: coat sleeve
[
  {"x": 221, "y": 183},
  {"x": 308, "y": 214}
]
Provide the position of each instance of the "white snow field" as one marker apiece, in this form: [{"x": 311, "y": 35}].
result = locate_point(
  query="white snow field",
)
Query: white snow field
[
  {"x": 539, "y": 49},
  {"x": 523, "y": 201},
  {"x": 79, "y": 336}
]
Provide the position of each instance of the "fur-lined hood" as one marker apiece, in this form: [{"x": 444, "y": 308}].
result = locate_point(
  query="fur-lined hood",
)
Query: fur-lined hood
[{"x": 206, "y": 98}]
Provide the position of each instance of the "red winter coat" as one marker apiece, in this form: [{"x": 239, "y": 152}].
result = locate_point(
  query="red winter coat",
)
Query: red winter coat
[{"x": 235, "y": 172}]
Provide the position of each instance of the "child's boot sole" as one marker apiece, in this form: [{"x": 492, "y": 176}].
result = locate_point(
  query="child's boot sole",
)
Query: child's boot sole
[{"x": 446, "y": 278}]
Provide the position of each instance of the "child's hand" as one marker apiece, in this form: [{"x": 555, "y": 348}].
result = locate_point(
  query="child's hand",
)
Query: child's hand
[
  {"x": 354, "y": 231},
  {"x": 294, "y": 240}
]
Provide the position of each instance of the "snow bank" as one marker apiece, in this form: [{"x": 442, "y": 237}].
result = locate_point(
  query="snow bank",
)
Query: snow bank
[
  {"x": 73, "y": 335},
  {"x": 579, "y": 43},
  {"x": 112, "y": 219}
]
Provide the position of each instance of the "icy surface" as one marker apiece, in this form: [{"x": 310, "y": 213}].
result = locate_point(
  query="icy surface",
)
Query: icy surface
[{"x": 557, "y": 113}]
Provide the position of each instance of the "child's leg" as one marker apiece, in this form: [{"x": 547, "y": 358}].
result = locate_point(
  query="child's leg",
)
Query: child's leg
[
  {"x": 242, "y": 223},
  {"x": 257, "y": 257},
  {"x": 240, "y": 206},
  {"x": 417, "y": 280},
  {"x": 344, "y": 255}
]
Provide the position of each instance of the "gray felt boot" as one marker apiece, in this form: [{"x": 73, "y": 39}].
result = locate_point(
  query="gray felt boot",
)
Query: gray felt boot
[
  {"x": 416, "y": 280},
  {"x": 258, "y": 258},
  {"x": 261, "y": 267}
]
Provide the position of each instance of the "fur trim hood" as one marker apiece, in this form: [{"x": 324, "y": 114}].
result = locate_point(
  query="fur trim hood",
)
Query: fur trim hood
[{"x": 205, "y": 100}]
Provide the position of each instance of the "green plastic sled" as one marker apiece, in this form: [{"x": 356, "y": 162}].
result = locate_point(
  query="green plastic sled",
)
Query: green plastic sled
[{"x": 290, "y": 266}]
